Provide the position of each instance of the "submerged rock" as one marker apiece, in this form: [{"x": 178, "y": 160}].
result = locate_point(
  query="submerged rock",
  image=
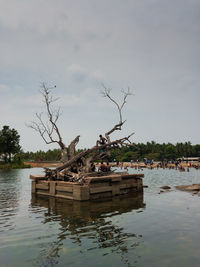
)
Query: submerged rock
[
  {"x": 194, "y": 187},
  {"x": 165, "y": 187}
]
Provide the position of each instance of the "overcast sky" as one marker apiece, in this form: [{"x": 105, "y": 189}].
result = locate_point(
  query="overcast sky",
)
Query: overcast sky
[{"x": 151, "y": 46}]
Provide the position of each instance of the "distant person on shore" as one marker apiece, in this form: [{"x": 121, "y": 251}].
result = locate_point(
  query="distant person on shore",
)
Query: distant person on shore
[
  {"x": 108, "y": 167},
  {"x": 104, "y": 168},
  {"x": 132, "y": 163}
]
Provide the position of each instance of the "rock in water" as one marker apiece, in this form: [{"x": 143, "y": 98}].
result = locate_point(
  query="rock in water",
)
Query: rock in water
[{"x": 165, "y": 187}]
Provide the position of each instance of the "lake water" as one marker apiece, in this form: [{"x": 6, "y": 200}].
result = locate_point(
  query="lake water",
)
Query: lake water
[{"x": 149, "y": 230}]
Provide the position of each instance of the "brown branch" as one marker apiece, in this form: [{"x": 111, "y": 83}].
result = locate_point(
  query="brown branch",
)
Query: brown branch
[
  {"x": 71, "y": 147},
  {"x": 116, "y": 127},
  {"x": 106, "y": 93},
  {"x": 88, "y": 151}
]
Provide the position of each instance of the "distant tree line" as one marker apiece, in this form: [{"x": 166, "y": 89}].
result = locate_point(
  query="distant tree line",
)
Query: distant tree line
[
  {"x": 50, "y": 155},
  {"x": 158, "y": 152},
  {"x": 150, "y": 150},
  {"x": 10, "y": 150}
]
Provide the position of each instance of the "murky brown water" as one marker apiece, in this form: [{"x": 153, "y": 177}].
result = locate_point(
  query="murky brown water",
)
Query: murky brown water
[{"x": 150, "y": 230}]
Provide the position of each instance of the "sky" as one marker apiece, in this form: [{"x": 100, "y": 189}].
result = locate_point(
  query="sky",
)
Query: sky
[{"x": 150, "y": 46}]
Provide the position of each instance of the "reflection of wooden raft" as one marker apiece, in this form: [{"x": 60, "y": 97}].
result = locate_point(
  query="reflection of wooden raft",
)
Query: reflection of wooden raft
[{"x": 93, "y": 188}]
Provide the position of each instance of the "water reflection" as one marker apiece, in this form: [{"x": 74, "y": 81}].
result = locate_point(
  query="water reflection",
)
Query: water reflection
[
  {"x": 9, "y": 199},
  {"x": 89, "y": 226}
]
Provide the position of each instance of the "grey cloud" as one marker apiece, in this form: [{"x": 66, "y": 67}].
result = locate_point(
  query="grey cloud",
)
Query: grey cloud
[{"x": 150, "y": 45}]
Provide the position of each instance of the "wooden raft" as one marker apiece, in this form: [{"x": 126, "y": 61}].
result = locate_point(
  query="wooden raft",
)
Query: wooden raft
[{"x": 94, "y": 188}]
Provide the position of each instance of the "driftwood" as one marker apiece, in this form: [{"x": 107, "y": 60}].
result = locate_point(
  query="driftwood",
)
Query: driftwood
[
  {"x": 75, "y": 166},
  {"x": 82, "y": 154}
]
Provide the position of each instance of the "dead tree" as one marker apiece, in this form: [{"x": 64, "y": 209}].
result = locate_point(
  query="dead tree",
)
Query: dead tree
[
  {"x": 75, "y": 166},
  {"x": 118, "y": 126},
  {"x": 78, "y": 165},
  {"x": 49, "y": 130}
]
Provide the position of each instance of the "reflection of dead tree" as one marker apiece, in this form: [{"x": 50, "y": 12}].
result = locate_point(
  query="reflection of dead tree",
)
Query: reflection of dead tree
[
  {"x": 92, "y": 221},
  {"x": 76, "y": 165}
]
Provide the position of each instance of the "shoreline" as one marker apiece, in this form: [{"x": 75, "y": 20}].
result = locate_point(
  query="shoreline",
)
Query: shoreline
[{"x": 138, "y": 165}]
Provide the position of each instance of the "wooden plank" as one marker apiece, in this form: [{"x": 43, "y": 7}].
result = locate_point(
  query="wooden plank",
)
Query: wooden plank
[
  {"x": 95, "y": 190},
  {"x": 132, "y": 176},
  {"x": 128, "y": 190},
  {"x": 63, "y": 183},
  {"x": 64, "y": 196},
  {"x": 64, "y": 188},
  {"x": 103, "y": 178},
  {"x": 101, "y": 195},
  {"x": 64, "y": 193},
  {"x": 128, "y": 185},
  {"x": 37, "y": 177},
  {"x": 99, "y": 184},
  {"x": 132, "y": 181},
  {"x": 43, "y": 182},
  {"x": 42, "y": 186},
  {"x": 116, "y": 179},
  {"x": 40, "y": 192}
]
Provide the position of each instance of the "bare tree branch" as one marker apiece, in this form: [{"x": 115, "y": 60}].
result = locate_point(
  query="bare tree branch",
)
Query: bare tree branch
[
  {"x": 118, "y": 126},
  {"x": 75, "y": 165},
  {"x": 49, "y": 130}
]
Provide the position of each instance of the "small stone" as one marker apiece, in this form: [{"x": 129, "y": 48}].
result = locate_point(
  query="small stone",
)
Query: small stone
[{"x": 165, "y": 187}]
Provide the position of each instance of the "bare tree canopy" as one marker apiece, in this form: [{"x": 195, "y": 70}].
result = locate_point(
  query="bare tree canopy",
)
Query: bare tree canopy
[
  {"x": 48, "y": 128},
  {"x": 75, "y": 166},
  {"x": 106, "y": 93}
]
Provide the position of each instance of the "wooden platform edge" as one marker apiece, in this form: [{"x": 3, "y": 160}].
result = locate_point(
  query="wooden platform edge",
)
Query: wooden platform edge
[{"x": 94, "y": 188}]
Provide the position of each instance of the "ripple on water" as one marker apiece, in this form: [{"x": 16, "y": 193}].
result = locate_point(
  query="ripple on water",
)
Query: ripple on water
[{"x": 117, "y": 232}]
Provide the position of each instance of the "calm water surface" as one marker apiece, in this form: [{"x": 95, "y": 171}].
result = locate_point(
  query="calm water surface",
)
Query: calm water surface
[{"x": 150, "y": 230}]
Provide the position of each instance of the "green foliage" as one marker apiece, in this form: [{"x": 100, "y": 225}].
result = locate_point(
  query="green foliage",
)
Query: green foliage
[
  {"x": 14, "y": 166},
  {"x": 128, "y": 156},
  {"x": 50, "y": 155},
  {"x": 9, "y": 143},
  {"x": 152, "y": 150}
]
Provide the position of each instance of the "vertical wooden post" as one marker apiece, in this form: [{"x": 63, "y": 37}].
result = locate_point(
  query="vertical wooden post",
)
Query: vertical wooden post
[
  {"x": 52, "y": 189},
  {"x": 115, "y": 189},
  {"x": 139, "y": 185},
  {"x": 81, "y": 192},
  {"x": 33, "y": 187}
]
